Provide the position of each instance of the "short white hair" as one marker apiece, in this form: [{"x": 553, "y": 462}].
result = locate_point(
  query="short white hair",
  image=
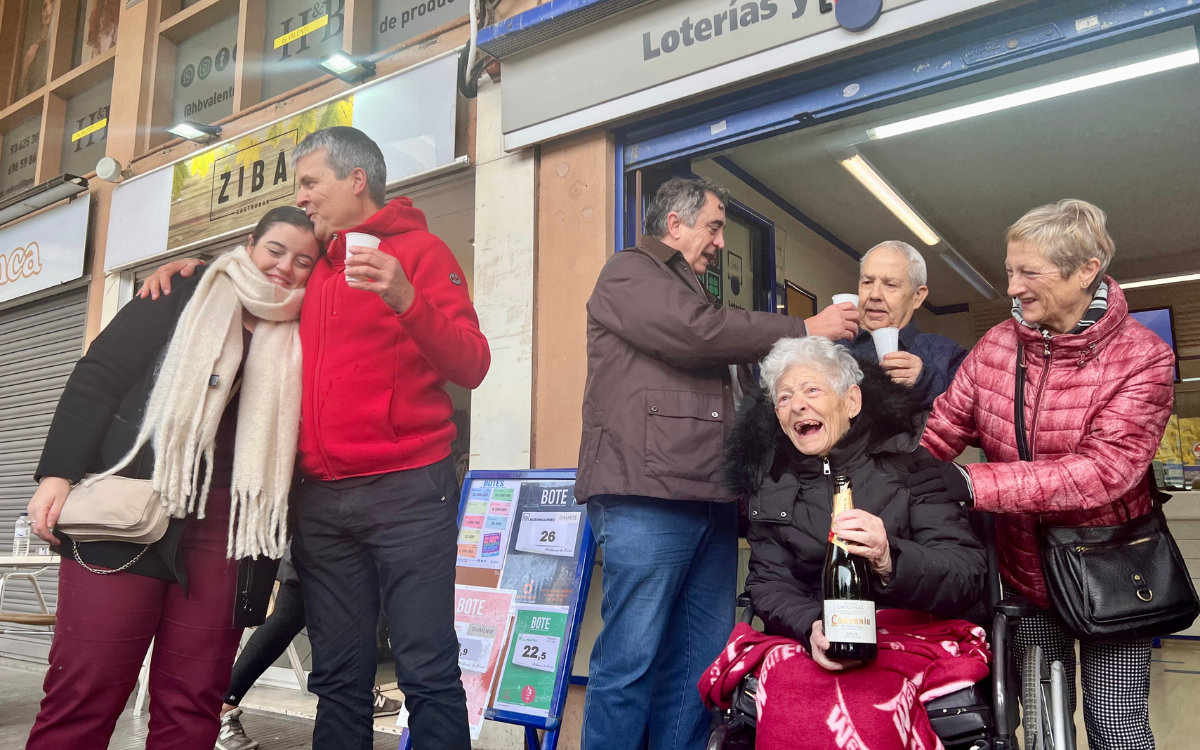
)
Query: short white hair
[
  {"x": 835, "y": 362},
  {"x": 918, "y": 275}
]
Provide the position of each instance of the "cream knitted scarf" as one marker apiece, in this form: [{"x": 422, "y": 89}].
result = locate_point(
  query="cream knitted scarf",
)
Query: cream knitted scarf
[{"x": 194, "y": 385}]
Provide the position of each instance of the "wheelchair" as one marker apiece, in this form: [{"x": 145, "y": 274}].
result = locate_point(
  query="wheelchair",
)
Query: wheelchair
[{"x": 982, "y": 717}]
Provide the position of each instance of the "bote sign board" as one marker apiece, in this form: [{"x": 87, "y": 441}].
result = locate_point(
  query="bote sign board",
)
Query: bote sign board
[
  {"x": 44, "y": 250},
  {"x": 230, "y": 186}
]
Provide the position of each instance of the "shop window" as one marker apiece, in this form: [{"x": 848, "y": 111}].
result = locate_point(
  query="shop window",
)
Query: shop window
[
  {"x": 86, "y": 133},
  {"x": 204, "y": 72},
  {"x": 398, "y": 20},
  {"x": 34, "y": 49},
  {"x": 298, "y": 32},
  {"x": 95, "y": 29},
  {"x": 19, "y": 161}
]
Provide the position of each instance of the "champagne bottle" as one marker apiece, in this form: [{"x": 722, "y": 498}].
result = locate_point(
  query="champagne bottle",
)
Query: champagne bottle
[{"x": 849, "y": 609}]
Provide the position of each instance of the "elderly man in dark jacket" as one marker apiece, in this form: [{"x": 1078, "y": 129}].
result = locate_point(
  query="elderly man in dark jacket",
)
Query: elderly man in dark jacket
[
  {"x": 891, "y": 286},
  {"x": 658, "y": 406}
]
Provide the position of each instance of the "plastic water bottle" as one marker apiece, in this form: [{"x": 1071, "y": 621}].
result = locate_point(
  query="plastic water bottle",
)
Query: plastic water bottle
[{"x": 21, "y": 536}]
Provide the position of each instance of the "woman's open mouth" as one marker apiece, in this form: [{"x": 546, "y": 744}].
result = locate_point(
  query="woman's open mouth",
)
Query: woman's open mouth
[{"x": 807, "y": 428}]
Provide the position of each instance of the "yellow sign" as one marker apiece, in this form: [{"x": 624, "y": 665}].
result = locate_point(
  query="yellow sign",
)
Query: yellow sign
[
  {"x": 97, "y": 125},
  {"x": 304, "y": 30},
  {"x": 230, "y": 186}
]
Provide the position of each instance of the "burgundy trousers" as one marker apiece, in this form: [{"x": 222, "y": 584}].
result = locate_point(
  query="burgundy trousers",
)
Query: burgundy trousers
[{"x": 105, "y": 624}]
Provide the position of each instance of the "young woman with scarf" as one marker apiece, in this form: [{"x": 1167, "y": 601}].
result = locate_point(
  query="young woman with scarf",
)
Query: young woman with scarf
[{"x": 212, "y": 376}]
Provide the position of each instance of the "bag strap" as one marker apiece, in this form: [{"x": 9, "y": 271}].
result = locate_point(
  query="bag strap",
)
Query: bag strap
[{"x": 1019, "y": 406}]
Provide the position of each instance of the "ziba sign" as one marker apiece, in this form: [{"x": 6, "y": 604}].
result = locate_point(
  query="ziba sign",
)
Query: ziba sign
[
  {"x": 228, "y": 187},
  {"x": 44, "y": 250}
]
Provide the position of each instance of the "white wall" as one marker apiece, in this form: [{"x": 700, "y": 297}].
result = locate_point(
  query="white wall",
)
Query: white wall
[{"x": 502, "y": 407}]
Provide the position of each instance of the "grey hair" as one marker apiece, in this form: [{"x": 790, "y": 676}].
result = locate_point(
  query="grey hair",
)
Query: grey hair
[
  {"x": 681, "y": 196},
  {"x": 918, "y": 275},
  {"x": 835, "y": 362},
  {"x": 347, "y": 149}
]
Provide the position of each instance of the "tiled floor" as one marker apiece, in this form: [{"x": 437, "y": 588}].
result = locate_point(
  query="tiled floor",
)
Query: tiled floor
[
  {"x": 21, "y": 691},
  {"x": 1174, "y": 711}
]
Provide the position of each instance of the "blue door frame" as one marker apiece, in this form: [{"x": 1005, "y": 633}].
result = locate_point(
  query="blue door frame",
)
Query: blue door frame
[{"x": 1007, "y": 41}]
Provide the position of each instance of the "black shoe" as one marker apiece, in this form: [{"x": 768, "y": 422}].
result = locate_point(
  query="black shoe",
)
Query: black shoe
[{"x": 384, "y": 706}]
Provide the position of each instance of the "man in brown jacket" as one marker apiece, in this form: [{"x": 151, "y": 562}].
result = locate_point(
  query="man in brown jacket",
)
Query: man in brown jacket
[{"x": 659, "y": 403}]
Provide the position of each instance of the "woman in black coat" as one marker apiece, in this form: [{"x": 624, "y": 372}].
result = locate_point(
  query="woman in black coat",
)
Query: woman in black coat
[
  {"x": 825, "y": 414},
  {"x": 114, "y": 597}
]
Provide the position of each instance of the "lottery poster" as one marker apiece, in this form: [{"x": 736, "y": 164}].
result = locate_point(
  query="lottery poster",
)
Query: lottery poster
[
  {"x": 530, "y": 666},
  {"x": 481, "y": 621},
  {"x": 483, "y": 535},
  {"x": 544, "y": 543}
]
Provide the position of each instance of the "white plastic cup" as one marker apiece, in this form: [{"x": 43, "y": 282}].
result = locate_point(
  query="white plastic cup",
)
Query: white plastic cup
[
  {"x": 840, "y": 298},
  {"x": 358, "y": 239},
  {"x": 887, "y": 340}
]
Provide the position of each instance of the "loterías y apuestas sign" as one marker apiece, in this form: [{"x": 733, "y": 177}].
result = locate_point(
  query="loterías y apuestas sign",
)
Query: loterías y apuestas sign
[{"x": 852, "y": 15}]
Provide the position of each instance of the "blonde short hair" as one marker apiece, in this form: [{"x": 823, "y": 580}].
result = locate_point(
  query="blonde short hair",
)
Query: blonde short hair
[{"x": 1069, "y": 233}]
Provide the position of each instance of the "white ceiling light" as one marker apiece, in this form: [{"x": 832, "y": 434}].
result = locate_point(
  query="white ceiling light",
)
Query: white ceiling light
[
  {"x": 194, "y": 131},
  {"x": 1038, "y": 94},
  {"x": 1160, "y": 282},
  {"x": 873, "y": 181}
]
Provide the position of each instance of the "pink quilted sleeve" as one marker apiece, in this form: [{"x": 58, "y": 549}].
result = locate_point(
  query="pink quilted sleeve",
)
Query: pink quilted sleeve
[
  {"x": 1111, "y": 458},
  {"x": 951, "y": 426}
]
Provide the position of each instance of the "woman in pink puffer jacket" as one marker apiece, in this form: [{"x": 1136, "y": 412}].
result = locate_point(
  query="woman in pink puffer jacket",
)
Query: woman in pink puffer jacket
[{"x": 1098, "y": 394}]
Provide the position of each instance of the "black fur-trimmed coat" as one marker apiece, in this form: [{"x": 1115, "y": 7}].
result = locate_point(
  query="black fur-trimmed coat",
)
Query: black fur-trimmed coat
[{"x": 938, "y": 563}]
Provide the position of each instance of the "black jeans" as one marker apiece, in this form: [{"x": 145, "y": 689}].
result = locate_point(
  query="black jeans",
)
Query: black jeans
[
  {"x": 390, "y": 537},
  {"x": 268, "y": 642}
]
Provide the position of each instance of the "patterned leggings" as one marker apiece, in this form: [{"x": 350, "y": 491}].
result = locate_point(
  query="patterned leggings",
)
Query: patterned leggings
[{"x": 1115, "y": 677}]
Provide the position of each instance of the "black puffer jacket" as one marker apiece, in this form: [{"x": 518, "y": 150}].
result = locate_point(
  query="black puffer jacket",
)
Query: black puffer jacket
[{"x": 938, "y": 563}]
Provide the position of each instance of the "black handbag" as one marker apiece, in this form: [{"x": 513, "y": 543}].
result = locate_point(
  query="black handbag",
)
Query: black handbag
[
  {"x": 256, "y": 580},
  {"x": 1112, "y": 583}
]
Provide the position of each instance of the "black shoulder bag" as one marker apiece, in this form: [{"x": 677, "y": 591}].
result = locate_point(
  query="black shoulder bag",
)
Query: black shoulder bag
[{"x": 1111, "y": 583}]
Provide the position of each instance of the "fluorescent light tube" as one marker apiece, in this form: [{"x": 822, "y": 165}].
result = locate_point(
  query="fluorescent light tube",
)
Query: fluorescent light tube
[
  {"x": 872, "y": 181},
  {"x": 1160, "y": 281},
  {"x": 1038, "y": 94}
]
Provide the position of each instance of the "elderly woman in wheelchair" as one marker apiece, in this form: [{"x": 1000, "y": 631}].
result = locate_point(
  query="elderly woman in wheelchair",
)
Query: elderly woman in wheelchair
[{"x": 821, "y": 414}]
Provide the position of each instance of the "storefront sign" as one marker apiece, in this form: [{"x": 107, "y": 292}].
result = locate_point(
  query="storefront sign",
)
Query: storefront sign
[
  {"x": 86, "y": 135},
  {"x": 298, "y": 33},
  {"x": 43, "y": 251},
  {"x": 204, "y": 67},
  {"x": 666, "y": 51},
  {"x": 18, "y": 163},
  {"x": 226, "y": 187},
  {"x": 397, "y": 20}
]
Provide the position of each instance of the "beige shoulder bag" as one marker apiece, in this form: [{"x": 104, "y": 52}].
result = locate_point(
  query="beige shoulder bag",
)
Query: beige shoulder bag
[{"x": 114, "y": 509}]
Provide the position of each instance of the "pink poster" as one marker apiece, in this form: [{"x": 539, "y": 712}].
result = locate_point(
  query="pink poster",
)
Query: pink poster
[{"x": 481, "y": 619}]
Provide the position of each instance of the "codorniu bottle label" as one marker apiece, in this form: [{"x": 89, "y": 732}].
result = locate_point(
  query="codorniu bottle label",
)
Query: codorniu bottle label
[{"x": 849, "y": 610}]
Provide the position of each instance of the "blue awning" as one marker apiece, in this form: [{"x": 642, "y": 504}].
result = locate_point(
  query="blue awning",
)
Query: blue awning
[{"x": 546, "y": 22}]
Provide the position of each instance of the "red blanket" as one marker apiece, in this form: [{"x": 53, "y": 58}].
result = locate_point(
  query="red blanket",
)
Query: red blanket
[{"x": 876, "y": 706}]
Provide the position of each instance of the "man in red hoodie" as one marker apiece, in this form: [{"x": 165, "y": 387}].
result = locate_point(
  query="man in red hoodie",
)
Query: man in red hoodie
[{"x": 376, "y": 512}]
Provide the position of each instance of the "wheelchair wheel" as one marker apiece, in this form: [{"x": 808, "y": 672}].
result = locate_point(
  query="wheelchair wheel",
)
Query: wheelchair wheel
[{"x": 1037, "y": 713}]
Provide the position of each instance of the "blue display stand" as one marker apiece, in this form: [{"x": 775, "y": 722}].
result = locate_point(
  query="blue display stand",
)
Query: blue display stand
[{"x": 575, "y": 600}]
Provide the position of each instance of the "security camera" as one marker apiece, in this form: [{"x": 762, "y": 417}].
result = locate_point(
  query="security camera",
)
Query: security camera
[{"x": 110, "y": 170}]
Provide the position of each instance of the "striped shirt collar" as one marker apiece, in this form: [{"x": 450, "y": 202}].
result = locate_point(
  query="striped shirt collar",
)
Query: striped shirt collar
[{"x": 1091, "y": 316}]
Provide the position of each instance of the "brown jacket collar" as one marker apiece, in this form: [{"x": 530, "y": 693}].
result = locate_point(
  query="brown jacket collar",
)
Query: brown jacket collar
[
  {"x": 657, "y": 248},
  {"x": 664, "y": 253}
]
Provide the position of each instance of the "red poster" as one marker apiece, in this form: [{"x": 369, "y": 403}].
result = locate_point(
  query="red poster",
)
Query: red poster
[{"x": 481, "y": 619}]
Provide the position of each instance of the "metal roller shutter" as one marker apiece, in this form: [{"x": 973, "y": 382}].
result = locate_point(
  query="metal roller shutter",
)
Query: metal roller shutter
[{"x": 39, "y": 345}]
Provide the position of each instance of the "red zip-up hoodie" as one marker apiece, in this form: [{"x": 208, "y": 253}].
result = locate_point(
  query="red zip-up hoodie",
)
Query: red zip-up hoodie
[{"x": 374, "y": 396}]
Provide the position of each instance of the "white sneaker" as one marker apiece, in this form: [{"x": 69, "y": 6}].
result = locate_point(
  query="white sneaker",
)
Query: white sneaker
[{"x": 233, "y": 736}]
